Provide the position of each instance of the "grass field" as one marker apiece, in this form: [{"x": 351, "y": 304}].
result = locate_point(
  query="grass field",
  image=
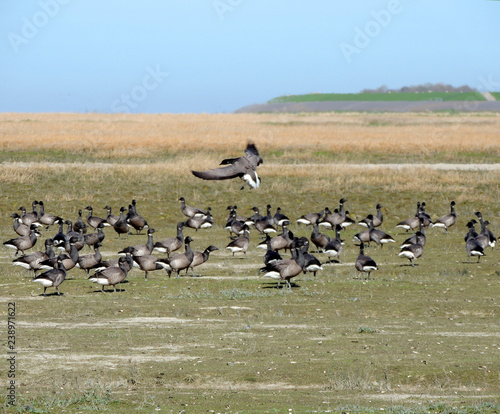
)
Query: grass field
[
  {"x": 409, "y": 339},
  {"x": 397, "y": 96}
]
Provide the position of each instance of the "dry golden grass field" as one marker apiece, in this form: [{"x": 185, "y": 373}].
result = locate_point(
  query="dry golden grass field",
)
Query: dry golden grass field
[{"x": 408, "y": 340}]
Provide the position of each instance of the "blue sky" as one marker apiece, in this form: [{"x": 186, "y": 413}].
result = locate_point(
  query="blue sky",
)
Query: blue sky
[{"x": 184, "y": 56}]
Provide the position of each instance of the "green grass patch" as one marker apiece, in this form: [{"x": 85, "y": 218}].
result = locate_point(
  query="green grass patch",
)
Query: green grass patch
[{"x": 399, "y": 96}]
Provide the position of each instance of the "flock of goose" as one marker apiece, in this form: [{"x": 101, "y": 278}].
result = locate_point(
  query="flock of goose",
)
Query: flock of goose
[{"x": 274, "y": 229}]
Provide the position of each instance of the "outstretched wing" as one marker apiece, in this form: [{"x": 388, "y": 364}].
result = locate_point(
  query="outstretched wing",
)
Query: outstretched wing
[
  {"x": 223, "y": 173},
  {"x": 252, "y": 153}
]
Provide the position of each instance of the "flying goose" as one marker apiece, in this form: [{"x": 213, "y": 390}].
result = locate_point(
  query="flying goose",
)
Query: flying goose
[
  {"x": 23, "y": 243},
  {"x": 111, "y": 276},
  {"x": 53, "y": 277},
  {"x": 365, "y": 264},
  {"x": 171, "y": 244},
  {"x": 242, "y": 167},
  {"x": 447, "y": 221}
]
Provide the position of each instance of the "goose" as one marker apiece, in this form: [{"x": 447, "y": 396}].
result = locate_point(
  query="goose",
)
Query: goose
[
  {"x": 348, "y": 221},
  {"x": 364, "y": 236},
  {"x": 200, "y": 223},
  {"x": 380, "y": 237},
  {"x": 171, "y": 244},
  {"x": 447, "y": 221},
  {"x": 60, "y": 238},
  {"x": 411, "y": 223},
  {"x": 256, "y": 216},
  {"x": 235, "y": 226},
  {"x": 424, "y": 216},
  {"x": 121, "y": 226},
  {"x": 179, "y": 261},
  {"x": 334, "y": 247},
  {"x": 241, "y": 244},
  {"x": 115, "y": 263},
  {"x": 412, "y": 251},
  {"x": 30, "y": 218},
  {"x": 483, "y": 238},
  {"x": 90, "y": 261},
  {"x": 135, "y": 220},
  {"x": 111, "y": 219},
  {"x": 111, "y": 276},
  {"x": 418, "y": 238},
  {"x": 190, "y": 211},
  {"x": 80, "y": 243},
  {"x": 19, "y": 227},
  {"x": 279, "y": 218},
  {"x": 376, "y": 220},
  {"x": 320, "y": 240},
  {"x": 94, "y": 238},
  {"x": 201, "y": 257},
  {"x": 282, "y": 241},
  {"x": 44, "y": 218},
  {"x": 337, "y": 217},
  {"x": 286, "y": 269},
  {"x": 242, "y": 167},
  {"x": 365, "y": 264},
  {"x": 147, "y": 263},
  {"x": 491, "y": 237},
  {"x": 232, "y": 210},
  {"x": 310, "y": 219},
  {"x": 271, "y": 255},
  {"x": 69, "y": 261},
  {"x": 33, "y": 261},
  {"x": 23, "y": 243},
  {"x": 472, "y": 246},
  {"x": 80, "y": 224},
  {"x": 53, "y": 277},
  {"x": 311, "y": 262},
  {"x": 472, "y": 230},
  {"x": 94, "y": 221},
  {"x": 264, "y": 224},
  {"x": 141, "y": 249}
]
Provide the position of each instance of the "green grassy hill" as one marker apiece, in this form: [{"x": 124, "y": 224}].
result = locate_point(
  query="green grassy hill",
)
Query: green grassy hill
[{"x": 399, "y": 96}]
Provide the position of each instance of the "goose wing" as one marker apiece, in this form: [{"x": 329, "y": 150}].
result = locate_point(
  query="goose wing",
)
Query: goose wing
[{"x": 238, "y": 168}]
